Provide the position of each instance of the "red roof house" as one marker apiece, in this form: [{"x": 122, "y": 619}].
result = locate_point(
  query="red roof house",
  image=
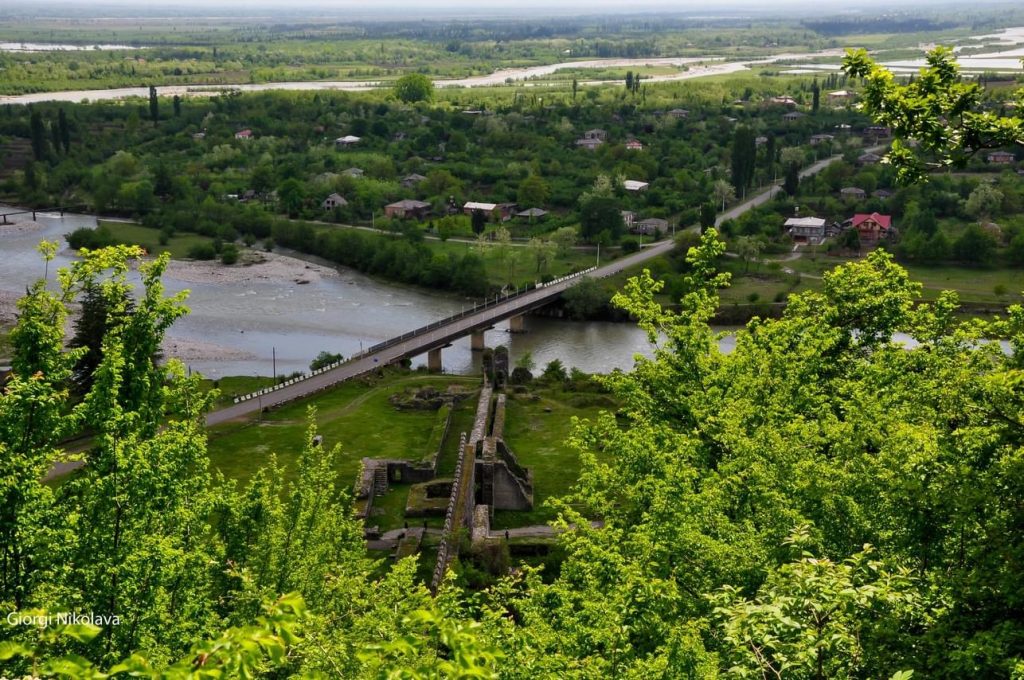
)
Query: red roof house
[
  {"x": 873, "y": 227},
  {"x": 243, "y": 134}
]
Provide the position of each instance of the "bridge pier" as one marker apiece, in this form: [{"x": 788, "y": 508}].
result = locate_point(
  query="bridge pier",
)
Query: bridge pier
[
  {"x": 515, "y": 324},
  {"x": 476, "y": 341},
  {"x": 434, "y": 360}
]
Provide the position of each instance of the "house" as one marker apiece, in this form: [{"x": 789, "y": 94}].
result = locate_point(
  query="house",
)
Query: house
[
  {"x": 248, "y": 195},
  {"x": 839, "y": 97},
  {"x": 346, "y": 141},
  {"x": 652, "y": 226},
  {"x": 407, "y": 208},
  {"x": 784, "y": 100},
  {"x": 821, "y": 139},
  {"x": 760, "y": 141},
  {"x": 634, "y": 185},
  {"x": 792, "y": 115},
  {"x": 532, "y": 214},
  {"x": 810, "y": 230},
  {"x": 243, "y": 134},
  {"x": 878, "y": 131},
  {"x": 333, "y": 201},
  {"x": 634, "y": 145},
  {"x": 872, "y": 228},
  {"x": 589, "y": 143},
  {"x": 353, "y": 172},
  {"x": 502, "y": 210},
  {"x": 1000, "y": 157},
  {"x": 596, "y": 133},
  {"x": 881, "y": 193},
  {"x": 199, "y": 135},
  {"x": 628, "y": 218},
  {"x": 853, "y": 192},
  {"x": 869, "y": 159},
  {"x": 679, "y": 113},
  {"x": 409, "y": 181}
]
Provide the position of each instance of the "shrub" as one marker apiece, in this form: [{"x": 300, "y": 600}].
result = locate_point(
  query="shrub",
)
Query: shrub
[
  {"x": 229, "y": 254},
  {"x": 202, "y": 251}
]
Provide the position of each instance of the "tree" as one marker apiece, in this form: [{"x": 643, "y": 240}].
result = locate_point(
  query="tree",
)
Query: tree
[
  {"x": 91, "y": 328},
  {"x": 984, "y": 202},
  {"x": 478, "y": 221},
  {"x": 292, "y": 195},
  {"x": 575, "y": 87},
  {"x": 974, "y": 246},
  {"x": 940, "y": 111},
  {"x": 600, "y": 213},
  {"x": 414, "y": 87},
  {"x": 564, "y": 239},
  {"x": 584, "y": 299},
  {"x": 708, "y": 211},
  {"x": 629, "y": 81},
  {"x": 723, "y": 193},
  {"x": 533, "y": 192},
  {"x": 744, "y": 154},
  {"x": 542, "y": 250},
  {"x": 748, "y": 248},
  {"x": 65, "y": 132},
  {"x": 154, "y": 105},
  {"x": 38, "y": 133},
  {"x": 815, "y": 96},
  {"x": 791, "y": 180},
  {"x": 176, "y": 104}
]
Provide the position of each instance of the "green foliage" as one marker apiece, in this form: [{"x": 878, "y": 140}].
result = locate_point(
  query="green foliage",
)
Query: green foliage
[
  {"x": 324, "y": 358},
  {"x": 939, "y": 110},
  {"x": 414, "y": 87}
]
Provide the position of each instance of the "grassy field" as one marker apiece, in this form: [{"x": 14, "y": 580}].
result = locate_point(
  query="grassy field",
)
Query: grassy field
[
  {"x": 136, "y": 234},
  {"x": 538, "y": 437},
  {"x": 238, "y": 449},
  {"x": 974, "y": 284}
]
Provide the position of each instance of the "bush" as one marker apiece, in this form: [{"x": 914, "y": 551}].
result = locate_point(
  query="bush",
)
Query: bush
[
  {"x": 630, "y": 245},
  {"x": 324, "y": 359},
  {"x": 229, "y": 254},
  {"x": 202, "y": 251}
]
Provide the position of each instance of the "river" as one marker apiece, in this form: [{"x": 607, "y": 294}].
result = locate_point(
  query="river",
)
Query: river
[{"x": 235, "y": 328}]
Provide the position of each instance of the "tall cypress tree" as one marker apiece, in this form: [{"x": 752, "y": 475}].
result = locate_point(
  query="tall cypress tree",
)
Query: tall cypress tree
[
  {"x": 154, "y": 106},
  {"x": 744, "y": 153},
  {"x": 65, "y": 132},
  {"x": 815, "y": 96},
  {"x": 38, "y": 136}
]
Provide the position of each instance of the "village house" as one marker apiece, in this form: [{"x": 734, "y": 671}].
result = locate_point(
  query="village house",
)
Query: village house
[
  {"x": 346, "y": 141},
  {"x": 872, "y": 228},
  {"x": 407, "y": 208},
  {"x": 821, "y": 139},
  {"x": 334, "y": 201},
  {"x": 784, "y": 100},
  {"x": 651, "y": 226},
  {"x": 635, "y": 185},
  {"x": 679, "y": 113},
  {"x": 809, "y": 230},
  {"x": 853, "y": 192},
  {"x": 243, "y": 134},
  {"x": 628, "y": 218},
  {"x": 634, "y": 145},
  {"x": 760, "y": 141},
  {"x": 878, "y": 131},
  {"x": 532, "y": 214},
  {"x": 590, "y": 144},
  {"x": 199, "y": 135},
  {"x": 502, "y": 211},
  {"x": 409, "y": 181},
  {"x": 839, "y": 97},
  {"x": 1001, "y": 157},
  {"x": 353, "y": 172},
  {"x": 882, "y": 193},
  {"x": 596, "y": 133},
  {"x": 792, "y": 115},
  {"x": 869, "y": 159}
]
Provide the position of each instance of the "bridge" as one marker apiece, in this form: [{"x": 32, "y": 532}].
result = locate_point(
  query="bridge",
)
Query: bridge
[{"x": 431, "y": 339}]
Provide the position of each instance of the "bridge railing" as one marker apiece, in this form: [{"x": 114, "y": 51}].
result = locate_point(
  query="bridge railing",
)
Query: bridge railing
[{"x": 391, "y": 342}]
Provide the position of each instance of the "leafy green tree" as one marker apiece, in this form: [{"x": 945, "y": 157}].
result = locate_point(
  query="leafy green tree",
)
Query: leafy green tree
[
  {"x": 154, "y": 106},
  {"x": 942, "y": 112},
  {"x": 533, "y": 192},
  {"x": 791, "y": 180},
  {"x": 584, "y": 299},
  {"x": 600, "y": 213},
  {"x": 744, "y": 154},
  {"x": 38, "y": 134},
  {"x": 64, "y": 130},
  {"x": 984, "y": 202},
  {"x": 414, "y": 87},
  {"x": 974, "y": 246},
  {"x": 292, "y": 195}
]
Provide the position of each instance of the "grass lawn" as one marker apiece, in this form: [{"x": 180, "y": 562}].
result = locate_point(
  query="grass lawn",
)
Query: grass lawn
[
  {"x": 136, "y": 234},
  {"x": 538, "y": 439},
  {"x": 356, "y": 414},
  {"x": 977, "y": 285},
  {"x": 235, "y": 386},
  {"x": 462, "y": 421}
]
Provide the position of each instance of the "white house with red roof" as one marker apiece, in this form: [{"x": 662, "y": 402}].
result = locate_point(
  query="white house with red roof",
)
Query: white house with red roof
[
  {"x": 243, "y": 134},
  {"x": 872, "y": 228}
]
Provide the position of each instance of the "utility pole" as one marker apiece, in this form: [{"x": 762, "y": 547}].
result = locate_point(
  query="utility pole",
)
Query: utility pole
[
  {"x": 598, "y": 253},
  {"x": 273, "y": 354}
]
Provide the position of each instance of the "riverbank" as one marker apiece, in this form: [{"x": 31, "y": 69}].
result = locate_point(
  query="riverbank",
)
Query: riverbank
[{"x": 252, "y": 267}]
